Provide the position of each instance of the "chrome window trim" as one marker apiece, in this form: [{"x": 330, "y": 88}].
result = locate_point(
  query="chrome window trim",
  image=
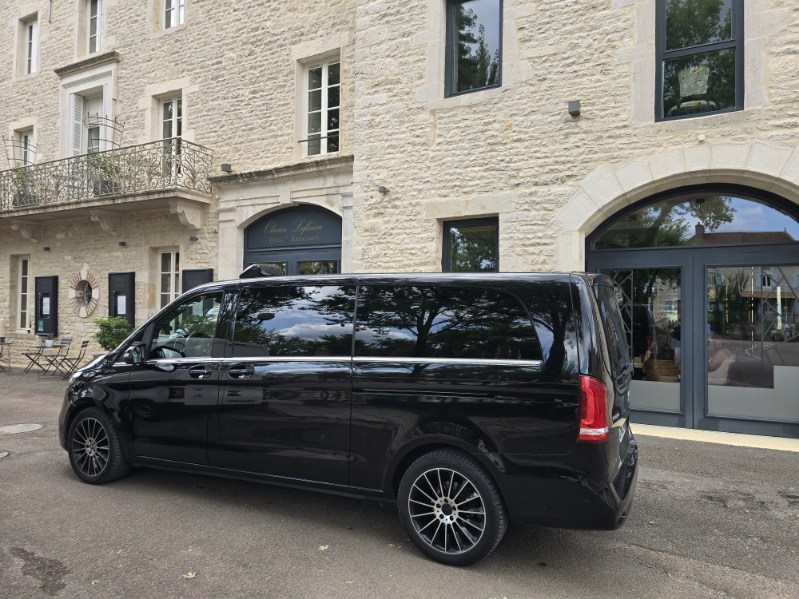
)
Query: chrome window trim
[
  {"x": 537, "y": 364},
  {"x": 452, "y": 361}
]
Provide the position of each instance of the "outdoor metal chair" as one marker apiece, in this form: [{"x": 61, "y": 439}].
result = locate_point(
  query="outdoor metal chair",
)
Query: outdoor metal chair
[
  {"x": 55, "y": 361},
  {"x": 71, "y": 364},
  {"x": 35, "y": 356}
]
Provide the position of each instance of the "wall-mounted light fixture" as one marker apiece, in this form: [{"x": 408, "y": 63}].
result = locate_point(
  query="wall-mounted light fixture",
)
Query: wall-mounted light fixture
[
  {"x": 123, "y": 244},
  {"x": 193, "y": 238},
  {"x": 382, "y": 189},
  {"x": 574, "y": 108},
  {"x": 226, "y": 168}
]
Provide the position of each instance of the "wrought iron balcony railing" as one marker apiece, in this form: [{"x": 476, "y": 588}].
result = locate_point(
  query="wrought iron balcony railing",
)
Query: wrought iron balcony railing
[{"x": 168, "y": 164}]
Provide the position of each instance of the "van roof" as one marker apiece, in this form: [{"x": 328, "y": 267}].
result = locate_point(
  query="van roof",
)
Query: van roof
[{"x": 482, "y": 278}]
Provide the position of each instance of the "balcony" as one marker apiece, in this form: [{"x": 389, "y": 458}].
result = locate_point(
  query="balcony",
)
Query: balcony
[{"x": 169, "y": 172}]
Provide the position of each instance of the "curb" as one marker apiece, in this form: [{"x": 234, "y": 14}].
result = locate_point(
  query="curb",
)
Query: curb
[{"x": 734, "y": 439}]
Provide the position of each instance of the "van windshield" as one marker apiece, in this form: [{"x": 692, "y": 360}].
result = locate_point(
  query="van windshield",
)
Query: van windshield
[{"x": 614, "y": 328}]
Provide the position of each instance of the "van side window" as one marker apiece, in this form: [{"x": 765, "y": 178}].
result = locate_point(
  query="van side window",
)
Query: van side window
[
  {"x": 188, "y": 330},
  {"x": 294, "y": 321},
  {"x": 443, "y": 322}
]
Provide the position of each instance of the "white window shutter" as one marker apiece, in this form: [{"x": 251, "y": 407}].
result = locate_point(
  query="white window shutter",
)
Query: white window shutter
[
  {"x": 99, "y": 25},
  {"x": 76, "y": 125}
]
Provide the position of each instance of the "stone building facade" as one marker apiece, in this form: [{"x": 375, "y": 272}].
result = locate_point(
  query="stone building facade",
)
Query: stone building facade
[{"x": 573, "y": 135}]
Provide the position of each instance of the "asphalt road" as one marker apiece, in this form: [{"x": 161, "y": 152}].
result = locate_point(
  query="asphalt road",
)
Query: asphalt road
[{"x": 708, "y": 521}]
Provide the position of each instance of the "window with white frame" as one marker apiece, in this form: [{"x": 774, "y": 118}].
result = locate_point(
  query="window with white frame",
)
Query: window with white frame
[
  {"x": 169, "y": 277},
  {"x": 29, "y": 45},
  {"x": 171, "y": 131},
  {"x": 94, "y": 26},
  {"x": 23, "y": 292},
  {"x": 171, "y": 118},
  {"x": 174, "y": 13},
  {"x": 322, "y": 108},
  {"x": 87, "y": 127},
  {"x": 24, "y": 147}
]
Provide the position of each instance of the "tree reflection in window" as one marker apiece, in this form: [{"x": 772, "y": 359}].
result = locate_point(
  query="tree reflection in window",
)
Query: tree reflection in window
[
  {"x": 700, "y": 219},
  {"x": 294, "y": 321},
  {"x": 699, "y": 57},
  {"x": 442, "y": 322},
  {"x": 474, "y": 44}
]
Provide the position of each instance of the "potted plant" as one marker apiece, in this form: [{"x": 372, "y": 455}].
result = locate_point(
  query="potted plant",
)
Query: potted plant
[
  {"x": 22, "y": 179},
  {"x": 48, "y": 342},
  {"x": 111, "y": 331},
  {"x": 104, "y": 174}
]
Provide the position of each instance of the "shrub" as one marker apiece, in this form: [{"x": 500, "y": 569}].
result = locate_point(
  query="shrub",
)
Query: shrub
[{"x": 111, "y": 331}]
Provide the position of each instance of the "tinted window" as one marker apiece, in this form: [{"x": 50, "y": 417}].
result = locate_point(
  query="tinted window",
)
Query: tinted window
[
  {"x": 610, "y": 317},
  {"x": 188, "y": 330},
  {"x": 294, "y": 321},
  {"x": 443, "y": 322}
]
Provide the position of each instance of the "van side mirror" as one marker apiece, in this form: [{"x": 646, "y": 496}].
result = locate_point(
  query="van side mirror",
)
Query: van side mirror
[
  {"x": 137, "y": 353},
  {"x": 134, "y": 354}
]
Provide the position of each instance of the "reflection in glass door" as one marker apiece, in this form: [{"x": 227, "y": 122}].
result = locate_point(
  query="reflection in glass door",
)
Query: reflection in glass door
[
  {"x": 651, "y": 308},
  {"x": 753, "y": 345}
]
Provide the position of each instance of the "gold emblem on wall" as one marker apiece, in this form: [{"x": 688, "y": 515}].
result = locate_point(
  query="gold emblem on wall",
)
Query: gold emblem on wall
[{"x": 84, "y": 292}]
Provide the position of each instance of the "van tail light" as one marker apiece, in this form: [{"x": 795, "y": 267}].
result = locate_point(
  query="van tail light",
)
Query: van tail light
[{"x": 593, "y": 410}]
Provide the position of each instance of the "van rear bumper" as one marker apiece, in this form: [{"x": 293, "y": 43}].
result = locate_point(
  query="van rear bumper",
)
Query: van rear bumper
[{"x": 569, "y": 500}]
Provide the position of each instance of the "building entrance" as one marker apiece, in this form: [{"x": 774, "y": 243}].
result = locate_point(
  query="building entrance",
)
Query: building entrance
[
  {"x": 305, "y": 240},
  {"x": 708, "y": 279}
]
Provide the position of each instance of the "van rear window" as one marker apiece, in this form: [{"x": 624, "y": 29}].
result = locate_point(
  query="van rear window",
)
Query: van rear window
[
  {"x": 443, "y": 322},
  {"x": 613, "y": 326}
]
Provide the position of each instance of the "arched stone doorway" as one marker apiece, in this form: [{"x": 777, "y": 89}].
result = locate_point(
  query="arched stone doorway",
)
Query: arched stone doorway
[
  {"x": 709, "y": 279},
  {"x": 301, "y": 240}
]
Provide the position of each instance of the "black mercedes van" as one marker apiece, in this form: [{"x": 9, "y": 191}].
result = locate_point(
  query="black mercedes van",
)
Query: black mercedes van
[{"x": 468, "y": 400}]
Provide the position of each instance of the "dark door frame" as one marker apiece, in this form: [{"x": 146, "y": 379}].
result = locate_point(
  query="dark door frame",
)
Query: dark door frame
[{"x": 693, "y": 262}]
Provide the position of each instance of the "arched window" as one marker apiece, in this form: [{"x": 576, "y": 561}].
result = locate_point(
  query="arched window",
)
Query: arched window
[{"x": 701, "y": 217}]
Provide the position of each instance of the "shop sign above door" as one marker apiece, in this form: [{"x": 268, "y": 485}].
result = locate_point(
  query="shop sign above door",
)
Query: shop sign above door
[{"x": 295, "y": 227}]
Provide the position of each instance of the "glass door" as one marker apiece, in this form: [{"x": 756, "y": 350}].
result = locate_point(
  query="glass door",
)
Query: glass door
[
  {"x": 752, "y": 349},
  {"x": 650, "y": 300}
]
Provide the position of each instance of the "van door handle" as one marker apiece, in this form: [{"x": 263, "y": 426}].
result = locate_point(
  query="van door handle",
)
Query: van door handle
[
  {"x": 199, "y": 372},
  {"x": 241, "y": 371}
]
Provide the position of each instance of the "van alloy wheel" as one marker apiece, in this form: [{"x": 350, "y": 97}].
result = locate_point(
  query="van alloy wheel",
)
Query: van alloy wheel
[
  {"x": 447, "y": 510},
  {"x": 451, "y": 507},
  {"x": 95, "y": 448},
  {"x": 90, "y": 449}
]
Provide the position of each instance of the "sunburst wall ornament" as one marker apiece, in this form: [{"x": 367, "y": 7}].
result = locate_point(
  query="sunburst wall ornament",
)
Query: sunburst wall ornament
[{"x": 84, "y": 292}]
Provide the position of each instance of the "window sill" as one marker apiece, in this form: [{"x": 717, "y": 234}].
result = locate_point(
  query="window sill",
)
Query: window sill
[
  {"x": 728, "y": 116},
  {"x": 467, "y": 98}
]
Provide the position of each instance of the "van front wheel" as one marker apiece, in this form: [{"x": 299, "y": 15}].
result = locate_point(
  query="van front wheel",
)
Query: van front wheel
[
  {"x": 95, "y": 450},
  {"x": 450, "y": 508}
]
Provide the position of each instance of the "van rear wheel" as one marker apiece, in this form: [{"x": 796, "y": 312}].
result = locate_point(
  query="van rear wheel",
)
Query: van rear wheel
[{"x": 450, "y": 508}]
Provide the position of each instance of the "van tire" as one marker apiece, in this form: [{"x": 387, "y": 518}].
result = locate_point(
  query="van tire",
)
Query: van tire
[
  {"x": 95, "y": 449},
  {"x": 451, "y": 508}
]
